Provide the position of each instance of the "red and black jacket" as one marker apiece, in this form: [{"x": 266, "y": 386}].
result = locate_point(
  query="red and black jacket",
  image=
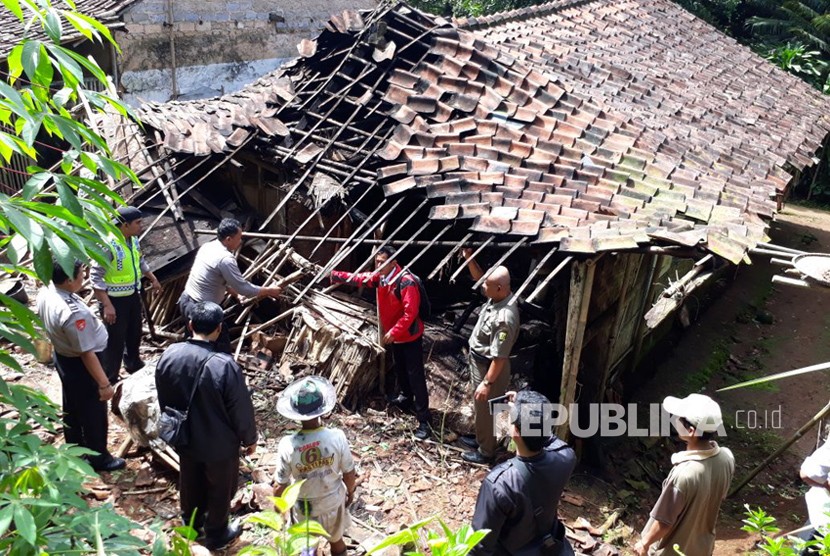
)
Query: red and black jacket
[{"x": 398, "y": 303}]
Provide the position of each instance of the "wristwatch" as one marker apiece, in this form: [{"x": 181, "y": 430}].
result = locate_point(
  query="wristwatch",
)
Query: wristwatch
[{"x": 486, "y": 382}]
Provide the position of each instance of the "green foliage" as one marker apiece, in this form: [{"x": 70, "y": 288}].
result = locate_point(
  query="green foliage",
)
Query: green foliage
[
  {"x": 474, "y": 8},
  {"x": 762, "y": 524},
  {"x": 807, "y": 64},
  {"x": 63, "y": 212},
  {"x": 289, "y": 539},
  {"x": 41, "y": 508},
  {"x": 724, "y": 14},
  {"x": 418, "y": 540}
]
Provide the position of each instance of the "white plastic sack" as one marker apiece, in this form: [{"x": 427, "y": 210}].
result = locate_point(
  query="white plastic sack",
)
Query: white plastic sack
[{"x": 139, "y": 404}]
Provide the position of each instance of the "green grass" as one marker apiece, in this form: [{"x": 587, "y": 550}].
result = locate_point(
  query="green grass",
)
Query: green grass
[{"x": 714, "y": 364}]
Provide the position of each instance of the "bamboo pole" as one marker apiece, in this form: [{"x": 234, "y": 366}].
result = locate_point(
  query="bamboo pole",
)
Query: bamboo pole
[
  {"x": 798, "y": 434},
  {"x": 458, "y": 245},
  {"x": 498, "y": 263},
  {"x": 530, "y": 276},
  {"x": 548, "y": 278},
  {"x": 461, "y": 243},
  {"x": 475, "y": 253},
  {"x": 582, "y": 282}
]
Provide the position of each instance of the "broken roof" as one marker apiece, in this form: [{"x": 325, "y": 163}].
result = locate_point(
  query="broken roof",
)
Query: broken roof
[
  {"x": 108, "y": 12},
  {"x": 591, "y": 126}
]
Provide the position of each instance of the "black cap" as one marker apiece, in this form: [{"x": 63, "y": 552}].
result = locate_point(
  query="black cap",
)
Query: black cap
[{"x": 127, "y": 214}]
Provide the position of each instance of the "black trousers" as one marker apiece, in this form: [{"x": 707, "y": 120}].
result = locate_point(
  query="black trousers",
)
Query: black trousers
[
  {"x": 124, "y": 337},
  {"x": 84, "y": 414},
  {"x": 223, "y": 342},
  {"x": 409, "y": 366},
  {"x": 207, "y": 489}
]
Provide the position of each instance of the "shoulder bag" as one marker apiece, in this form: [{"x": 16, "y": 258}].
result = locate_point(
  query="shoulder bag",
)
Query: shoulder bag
[{"x": 172, "y": 425}]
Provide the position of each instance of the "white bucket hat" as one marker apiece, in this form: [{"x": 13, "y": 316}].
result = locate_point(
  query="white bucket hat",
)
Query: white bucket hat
[
  {"x": 702, "y": 412},
  {"x": 307, "y": 398}
]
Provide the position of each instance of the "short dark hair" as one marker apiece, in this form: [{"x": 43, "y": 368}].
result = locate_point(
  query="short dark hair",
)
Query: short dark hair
[
  {"x": 59, "y": 274},
  {"x": 228, "y": 227},
  {"x": 386, "y": 250},
  {"x": 532, "y": 407},
  {"x": 705, "y": 436},
  {"x": 205, "y": 317}
]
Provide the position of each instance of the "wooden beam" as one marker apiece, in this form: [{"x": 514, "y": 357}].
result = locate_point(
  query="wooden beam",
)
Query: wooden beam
[
  {"x": 582, "y": 283},
  {"x": 650, "y": 289},
  {"x": 629, "y": 274}
]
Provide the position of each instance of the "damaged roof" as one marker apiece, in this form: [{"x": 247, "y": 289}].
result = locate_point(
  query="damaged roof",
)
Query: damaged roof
[
  {"x": 592, "y": 126},
  {"x": 108, "y": 12}
]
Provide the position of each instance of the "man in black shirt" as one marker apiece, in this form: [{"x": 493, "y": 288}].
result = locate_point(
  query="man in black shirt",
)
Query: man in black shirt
[
  {"x": 519, "y": 498},
  {"x": 220, "y": 421}
]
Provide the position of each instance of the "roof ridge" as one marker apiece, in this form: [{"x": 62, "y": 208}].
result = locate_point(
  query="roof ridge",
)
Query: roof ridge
[{"x": 473, "y": 23}]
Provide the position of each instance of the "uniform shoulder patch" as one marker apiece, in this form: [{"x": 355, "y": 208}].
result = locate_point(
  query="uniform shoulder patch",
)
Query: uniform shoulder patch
[
  {"x": 80, "y": 324},
  {"x": 502, "y": 335}
]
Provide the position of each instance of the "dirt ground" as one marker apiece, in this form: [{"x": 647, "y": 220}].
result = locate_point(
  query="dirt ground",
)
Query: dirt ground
[{"x": 402, "y": 480}]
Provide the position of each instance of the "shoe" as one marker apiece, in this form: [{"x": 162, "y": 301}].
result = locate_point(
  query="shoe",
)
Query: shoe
[
  {"x": 469, "y": 441},
  {"x": 423, "y": 431},
  {"x": 232, "y": 532},
  {"x": 399, "y": 401},
  {"x": 111, "y": 464},
  {"x": 474, "y": 456}
]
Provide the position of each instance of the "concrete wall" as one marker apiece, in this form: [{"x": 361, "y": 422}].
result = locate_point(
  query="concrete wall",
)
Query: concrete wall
[{"x": 219, "y": 45}]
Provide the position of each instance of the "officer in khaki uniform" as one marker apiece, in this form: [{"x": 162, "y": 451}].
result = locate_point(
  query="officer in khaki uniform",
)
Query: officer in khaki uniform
[
  {"x": 117, "y": 287},
  {"x": 79, "y": 339},
  {"x": 490, "y": 344}
]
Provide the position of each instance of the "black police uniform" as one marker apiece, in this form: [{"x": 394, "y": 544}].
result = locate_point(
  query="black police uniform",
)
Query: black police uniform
[{"x": 504, "y": 503}]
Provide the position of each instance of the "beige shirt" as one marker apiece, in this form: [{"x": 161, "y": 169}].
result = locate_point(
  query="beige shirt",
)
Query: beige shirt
[
  {"x": 321, "y": 457},
  {"x": 71, "y": 326},
  {"x": 691, "y": 499},
  {"x": 496, "y": 329}
]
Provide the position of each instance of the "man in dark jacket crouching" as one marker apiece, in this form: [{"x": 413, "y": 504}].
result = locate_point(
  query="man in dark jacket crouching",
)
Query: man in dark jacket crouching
[{"x": 220, "y": 421}]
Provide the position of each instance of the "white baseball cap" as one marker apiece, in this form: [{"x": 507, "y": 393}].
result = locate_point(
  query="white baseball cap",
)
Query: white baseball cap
[{"x": 702, "y": 412}]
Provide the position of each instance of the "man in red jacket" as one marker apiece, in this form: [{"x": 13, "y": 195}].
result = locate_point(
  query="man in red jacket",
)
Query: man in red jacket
[{"x": 402, "y": 328}]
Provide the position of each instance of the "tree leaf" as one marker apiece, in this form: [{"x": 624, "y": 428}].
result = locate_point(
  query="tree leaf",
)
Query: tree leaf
[
  {"x": 18, "y": 247},
  {"x": 61, "y": 252},
  {"x": 25, "y": 524},
  {"x": 34, "y": 185},
  {"x": 53, "y": 25},
  {"x": 15, "y": 62},
  {"x": 23, "y": 224},
  {"x": 42, "y": 260},
  {"x": 30, "y": 58},
  {"x": 14, "y": 7}
]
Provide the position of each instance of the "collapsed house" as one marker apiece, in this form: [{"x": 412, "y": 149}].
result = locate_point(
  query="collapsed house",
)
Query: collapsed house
[{"x": 600, "y": 149}]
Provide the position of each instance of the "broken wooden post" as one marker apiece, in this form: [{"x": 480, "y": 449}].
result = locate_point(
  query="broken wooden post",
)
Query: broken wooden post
[
  {"x": 582, "y": 282},
  {"x": 629, "y": 273}
]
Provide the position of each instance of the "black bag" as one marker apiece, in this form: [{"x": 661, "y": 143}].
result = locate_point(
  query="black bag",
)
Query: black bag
[
  {"x": 424, "y": 308},
  {"x": 548, "y": 542},
  {"x": 172, "y": 425}
]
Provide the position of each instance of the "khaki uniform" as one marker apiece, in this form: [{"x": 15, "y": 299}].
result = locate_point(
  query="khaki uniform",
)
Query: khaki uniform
[
  {"x": 71, "y": 326},
  {"x": 74, "y": 329},
  {"x": 493, "y": 337}
]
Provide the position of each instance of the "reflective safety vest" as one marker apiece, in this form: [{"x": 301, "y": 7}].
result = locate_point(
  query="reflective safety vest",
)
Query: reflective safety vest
[{"x": 123, "y": 275}]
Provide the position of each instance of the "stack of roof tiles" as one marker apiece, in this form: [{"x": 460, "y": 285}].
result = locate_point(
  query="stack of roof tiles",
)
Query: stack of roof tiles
[{"x": 598, "y": 125}]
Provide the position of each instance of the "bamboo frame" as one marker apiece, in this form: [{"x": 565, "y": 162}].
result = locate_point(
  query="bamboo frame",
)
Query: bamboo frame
[
  {"x": 498, "y": 263},
  {"x": 532, "y": 275}
]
